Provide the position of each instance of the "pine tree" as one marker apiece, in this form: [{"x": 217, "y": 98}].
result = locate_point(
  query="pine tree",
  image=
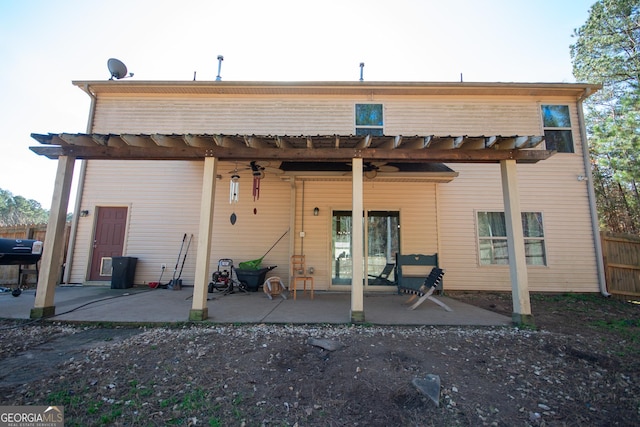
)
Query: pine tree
[{"x": 607, "y": 51}]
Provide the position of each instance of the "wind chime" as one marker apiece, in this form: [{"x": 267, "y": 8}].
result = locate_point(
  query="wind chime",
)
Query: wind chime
[
  {"x": 257, "y": 176},
  {"x": 258, "y": 173},
  {"x": 234, "y": 188}
]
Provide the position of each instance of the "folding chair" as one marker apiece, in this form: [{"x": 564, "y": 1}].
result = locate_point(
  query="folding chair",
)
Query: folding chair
[
  {"x": 425, "y": 291},
  {"x": 383, "y": 277}
]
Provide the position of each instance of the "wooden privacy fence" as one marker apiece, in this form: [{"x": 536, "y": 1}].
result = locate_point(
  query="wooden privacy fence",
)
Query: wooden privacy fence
[
  {"x": 621, "y": 253},
  {"x": 9, "y": 274}
]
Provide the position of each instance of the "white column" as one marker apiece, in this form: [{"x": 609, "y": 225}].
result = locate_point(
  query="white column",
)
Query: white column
[
  {"x": 54, "y": 240},
  {"x": 515, "y": 241},
  {"x": 199, "y": 309},
  {"x": 357, "y": 244}
]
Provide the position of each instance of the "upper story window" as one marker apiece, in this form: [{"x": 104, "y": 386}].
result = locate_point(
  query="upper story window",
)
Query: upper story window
[
  {"x": 557, "y": 128},
  {"x": 369, "y": 119}
]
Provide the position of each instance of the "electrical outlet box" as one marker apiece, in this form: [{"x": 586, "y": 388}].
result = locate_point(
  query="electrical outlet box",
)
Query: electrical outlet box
[
  {"x": 302, "y": 234},
  {"x": 163, "y": 265}
]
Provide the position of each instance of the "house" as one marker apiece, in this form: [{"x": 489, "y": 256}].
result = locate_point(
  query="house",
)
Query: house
[{"x": 493, "y": 177}]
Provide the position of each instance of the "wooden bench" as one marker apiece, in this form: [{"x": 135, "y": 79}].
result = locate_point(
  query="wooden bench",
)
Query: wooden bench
[
  {"x": 412, "y": 269},
  {"x": 421, "y": 287}
]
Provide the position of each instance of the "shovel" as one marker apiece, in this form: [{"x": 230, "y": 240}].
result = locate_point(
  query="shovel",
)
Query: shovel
[{"x": 255, "y": 264}]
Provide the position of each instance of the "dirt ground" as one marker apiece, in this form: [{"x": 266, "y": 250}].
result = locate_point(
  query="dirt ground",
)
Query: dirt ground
[{"x": 580, "y": 366}]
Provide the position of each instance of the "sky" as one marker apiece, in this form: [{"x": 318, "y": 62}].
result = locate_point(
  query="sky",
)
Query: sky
[{"x": 45, "y": 45}]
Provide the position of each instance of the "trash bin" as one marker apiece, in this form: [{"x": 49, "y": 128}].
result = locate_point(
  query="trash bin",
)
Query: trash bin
[
  {"x": 124, "y": 270},
  {"x": 253, "y": 278}
]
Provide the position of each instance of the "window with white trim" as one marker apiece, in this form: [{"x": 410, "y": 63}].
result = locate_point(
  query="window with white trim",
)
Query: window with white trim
[
  {"x": 557, "y": 128},
  {"x": 369, "y": 119},
  {"x": 492, "y": 238}
]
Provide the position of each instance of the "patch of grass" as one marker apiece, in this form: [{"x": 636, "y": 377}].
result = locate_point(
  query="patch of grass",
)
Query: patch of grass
[
  {"x": 568, "y": 297},
  {"x": 629, "y": 329},
  {"x": 166, "y": 403},
  {"x": 93, "y": 407},
  {"x": 237, "y": 407},
  {"x": 63, "y": 398},
  {"x": 194, "y": 400},
  {"x": 108, "y": 419}
]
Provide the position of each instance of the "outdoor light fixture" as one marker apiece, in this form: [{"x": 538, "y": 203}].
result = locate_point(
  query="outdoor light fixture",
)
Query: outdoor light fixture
[
  {"x": 84, "y": 213},
  {"x": 316, "y": 211}
]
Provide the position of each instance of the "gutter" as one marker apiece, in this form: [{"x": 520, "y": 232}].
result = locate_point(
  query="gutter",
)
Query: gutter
[
  {"x": 80, "y": 190},
  {"x": 595, "y": 225}
]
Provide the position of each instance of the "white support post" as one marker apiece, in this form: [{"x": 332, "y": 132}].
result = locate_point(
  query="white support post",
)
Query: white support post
[
  {"x": 515, "y": 244},
  {"x": 357, "y": 243},
  {"x": 199, "y": 310},
  {"x": 54, "y": 241}
]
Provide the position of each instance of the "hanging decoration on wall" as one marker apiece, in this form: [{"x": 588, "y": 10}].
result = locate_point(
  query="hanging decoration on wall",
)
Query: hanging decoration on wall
[
  {"x": 258, "y": 173},
  {"x": 234, "y": 186},
  {"x": 256, "y": 187},
  {"x": 234, "y": 189}
]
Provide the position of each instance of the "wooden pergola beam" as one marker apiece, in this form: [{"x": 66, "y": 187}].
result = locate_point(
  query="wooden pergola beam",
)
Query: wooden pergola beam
[{"x": 291, "y": 154}]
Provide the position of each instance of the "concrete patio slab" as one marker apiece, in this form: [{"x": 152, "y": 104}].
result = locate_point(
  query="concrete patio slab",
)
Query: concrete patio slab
[{"x": 145, "y": 305}]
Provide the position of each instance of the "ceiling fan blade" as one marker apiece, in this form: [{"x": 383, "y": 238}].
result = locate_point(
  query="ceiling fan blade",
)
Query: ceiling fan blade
[{"x": 388, "y": 168}]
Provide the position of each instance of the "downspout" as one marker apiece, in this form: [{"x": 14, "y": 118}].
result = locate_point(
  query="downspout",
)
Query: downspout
[
  {"x": 78, "y": 204},
  {"x": 595, "y": 226}
]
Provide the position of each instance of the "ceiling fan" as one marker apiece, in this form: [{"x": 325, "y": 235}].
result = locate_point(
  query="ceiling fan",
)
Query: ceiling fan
[
  {"x": 258, "y": 168},
  {"x": 371, "y": 169}
]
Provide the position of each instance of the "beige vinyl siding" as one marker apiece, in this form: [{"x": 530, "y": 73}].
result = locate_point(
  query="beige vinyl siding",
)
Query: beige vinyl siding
[
  {"x": 163, "y": 198},
  {"x": 550, "y": 187},
  {"x": 460, "y": 116},
  {"x": 325, "y": 116},
  {"x": 414, "y": 201},
  {"x": 227, "y": 116}
]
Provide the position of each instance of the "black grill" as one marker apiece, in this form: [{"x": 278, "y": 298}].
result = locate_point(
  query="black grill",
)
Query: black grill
[{"x": 20, "y": 252}]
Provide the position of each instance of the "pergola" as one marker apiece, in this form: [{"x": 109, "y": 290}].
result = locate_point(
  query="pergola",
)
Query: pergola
[{"x": 212, "y": 148}]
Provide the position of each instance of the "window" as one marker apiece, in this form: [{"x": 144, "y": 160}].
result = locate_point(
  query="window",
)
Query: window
[
  {"x": 369, "y": 119},
  {"x": 492, "y": 238},
  {"x": 557, "y": 128}
]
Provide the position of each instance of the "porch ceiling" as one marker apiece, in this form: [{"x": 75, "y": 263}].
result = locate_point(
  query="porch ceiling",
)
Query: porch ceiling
[{"x": 303, "y": 148}]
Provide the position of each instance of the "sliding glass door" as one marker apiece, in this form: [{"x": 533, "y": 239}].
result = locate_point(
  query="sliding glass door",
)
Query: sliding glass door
[
  {"x": 382, "y": 237},
  {"x": 383, "y": 242}
]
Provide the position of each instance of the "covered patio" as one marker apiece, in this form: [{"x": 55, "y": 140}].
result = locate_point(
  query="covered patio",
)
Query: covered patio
[{"x": 354, "y": 150}]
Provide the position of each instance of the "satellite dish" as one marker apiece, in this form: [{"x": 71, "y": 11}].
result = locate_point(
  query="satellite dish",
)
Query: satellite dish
[{"x": 117, "y": 69}]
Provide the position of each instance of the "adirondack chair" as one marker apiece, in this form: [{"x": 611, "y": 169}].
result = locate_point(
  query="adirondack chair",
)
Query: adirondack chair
[
  {"x": 383, "y": 277},
  {"x": 425, "y": 291}
]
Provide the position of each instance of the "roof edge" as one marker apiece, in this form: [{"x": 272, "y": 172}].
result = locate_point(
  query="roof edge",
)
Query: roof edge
[{"x": 332, "y": 87}]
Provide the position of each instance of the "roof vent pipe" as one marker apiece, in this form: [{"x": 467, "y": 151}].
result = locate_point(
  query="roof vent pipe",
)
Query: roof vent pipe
[
  {"x": 361, "y": 71},
  {"x": 220, "y": 59}
]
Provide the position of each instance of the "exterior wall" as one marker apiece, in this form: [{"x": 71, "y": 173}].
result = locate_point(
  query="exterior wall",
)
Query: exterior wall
[
  {"x": 163, "y": 197},
  {"x": 164, "y": 203},
  {"x": 324, "y": 116},
  {"x": 415, "y": 202},
  {"x": 551, "y": 187}
]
